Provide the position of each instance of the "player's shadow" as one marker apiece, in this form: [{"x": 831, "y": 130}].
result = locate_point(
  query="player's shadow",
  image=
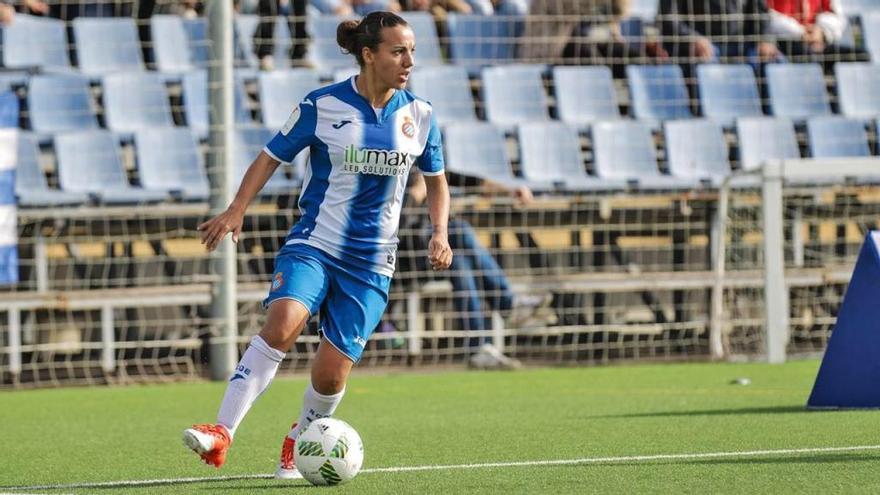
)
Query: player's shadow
[{"x": 716, "y": 412}]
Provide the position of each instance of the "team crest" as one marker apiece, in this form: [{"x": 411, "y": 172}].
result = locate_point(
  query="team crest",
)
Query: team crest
[
  {"x": 408, "y": 128},
  {"x": 278, "y": 281}
]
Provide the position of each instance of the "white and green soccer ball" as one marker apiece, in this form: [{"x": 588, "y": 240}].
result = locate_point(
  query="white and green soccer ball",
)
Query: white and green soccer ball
[{"x": 329, "y": 452}]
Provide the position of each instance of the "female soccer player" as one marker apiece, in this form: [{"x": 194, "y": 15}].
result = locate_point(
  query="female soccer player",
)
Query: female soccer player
[{"x": 364, "y": 134}]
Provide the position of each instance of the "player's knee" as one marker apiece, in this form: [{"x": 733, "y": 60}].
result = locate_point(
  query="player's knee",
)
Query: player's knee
[{"x": 328, "y": 383}]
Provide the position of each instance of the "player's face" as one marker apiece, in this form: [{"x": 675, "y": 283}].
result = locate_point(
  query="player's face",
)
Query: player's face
[{"x": 394, "y": 58}]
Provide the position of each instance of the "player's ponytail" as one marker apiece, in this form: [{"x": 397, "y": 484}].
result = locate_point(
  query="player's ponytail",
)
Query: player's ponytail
[{"x": 353, "y": 36}]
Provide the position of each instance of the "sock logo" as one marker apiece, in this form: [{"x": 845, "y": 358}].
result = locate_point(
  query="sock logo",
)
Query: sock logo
[{"x": 240, "y": 373}]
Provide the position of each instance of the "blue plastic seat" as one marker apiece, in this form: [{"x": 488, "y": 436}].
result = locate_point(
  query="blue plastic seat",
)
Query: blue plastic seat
[
  {"x": 765, "y": 138},
  {"x": 448, "y": 89},
  {"x": 858, "y": 89},
  {"x": 833, "y": 137},
  {"x": 514, "y": 94},
  {"x": 107, "y": 45},
  {"x": 797, "y": 91},
  {"x": 245, "y": 26},
  {"x": 585, "y": 95},
  {"x": 550, "y": 152},
  {"x": 658, "y": 93},
  {"x": 281, "y": 91},
  {"x": 171, "y": 48},
  {"x": 195, "y": 102},
  {"x": 135, "y": 101},
  {"x": 696, "y": 150},
  {"x": 645, "y": 10},
  {"x": 479, "y": 149},
  {"x": 427, "y": 41},
  {"x": 477, "y": 40},
  {"x": 198, "y": 42},
  {"x": 249, "y": 141},
  {"x": 871, "y": 32},
  {"x": 35, "y": 43},
  {"x": 728, "y": 92},
  {"x": 624, "y": 151},
  {"x": 169, "y": 159},
  {"x": 58, "y": 103},
  {"x": 31, "y": 186},
  {"x": 323, "y": 52},
  {"x": 89, "y": 162}
]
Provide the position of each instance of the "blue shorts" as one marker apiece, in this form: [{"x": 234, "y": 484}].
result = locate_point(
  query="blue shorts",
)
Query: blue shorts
[{"x": 351, "y": 300}]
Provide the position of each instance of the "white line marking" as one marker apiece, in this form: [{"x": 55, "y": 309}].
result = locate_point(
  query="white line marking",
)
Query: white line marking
[{"x": 447, "y": 467}]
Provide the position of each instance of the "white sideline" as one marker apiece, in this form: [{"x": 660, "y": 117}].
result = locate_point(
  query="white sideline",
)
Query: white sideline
[{"x": 446, "y": 467}]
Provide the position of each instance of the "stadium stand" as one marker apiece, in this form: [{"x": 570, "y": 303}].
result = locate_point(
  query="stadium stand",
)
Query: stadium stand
[
  {"x": 281, "y": 91},
  {"x": 31, "y": 186},
  {"x": 135, "y": 101},
  {"x": 696, "y": 150},
  {"x": 107, "y": 45},
  {"x": 58, "y": 103},
  {"x": 479, "y": 149},
  {"x": 449, "y": 91},
  {"x": 35, "y": 43},
  {"x": 324, "y": 53},
  {"x": 249, "y": 141},
  {"x": 195, "y": 102},
  {"x": 858, "y": 89},
  {"x": 169, "y": 159},
  {"x": 197, "y": 41},
  {"x": 658, "y": 93},
  {"x": 89, "y": 162},
  {"x": 514, "y": 94},
  {"x": 171, "y": 45},
  {"x": 871, "y": 29},
  {"x": 427, "y": 42},
  {"x": 765, "y": 138},
  {"x": 834, "y": 136},
  {"x": 476, "y": 41}
]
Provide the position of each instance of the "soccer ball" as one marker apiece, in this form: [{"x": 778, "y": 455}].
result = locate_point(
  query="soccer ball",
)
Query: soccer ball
[{"x": 329, "y": 452}]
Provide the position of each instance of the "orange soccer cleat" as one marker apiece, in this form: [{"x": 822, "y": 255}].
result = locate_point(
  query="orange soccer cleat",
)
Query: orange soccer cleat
[
  {"x": 211, "y": 442},
  {"x": 287, "y": 464}
]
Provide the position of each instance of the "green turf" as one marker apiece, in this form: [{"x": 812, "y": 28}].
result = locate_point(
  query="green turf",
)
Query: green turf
[{"x": 412, "y": 419}]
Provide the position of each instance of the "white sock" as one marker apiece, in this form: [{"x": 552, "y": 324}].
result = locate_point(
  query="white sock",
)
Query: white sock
[
  {"x": 252, "y": 376},
  {"x": 315, "y": 406}
]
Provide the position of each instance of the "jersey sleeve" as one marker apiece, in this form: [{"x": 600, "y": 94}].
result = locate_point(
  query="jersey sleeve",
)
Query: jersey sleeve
[
  {"x": 431, "y": 160},
  {"x": 297, "y": 134}
]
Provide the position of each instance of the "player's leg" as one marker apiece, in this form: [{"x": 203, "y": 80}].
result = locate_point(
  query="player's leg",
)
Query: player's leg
[{"x": 299, "y": 285}]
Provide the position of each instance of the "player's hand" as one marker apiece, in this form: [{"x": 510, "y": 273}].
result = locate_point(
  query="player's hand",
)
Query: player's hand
[
  {"x": 439, "y": 252},
  {"x": 214, "y": 230}
]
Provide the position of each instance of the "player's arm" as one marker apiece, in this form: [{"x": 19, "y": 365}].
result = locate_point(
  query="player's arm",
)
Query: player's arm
[
  {"x": 214, "y": 230},
  {"x": 439, "y": 252},
  {"x": 297, "y": 134}
]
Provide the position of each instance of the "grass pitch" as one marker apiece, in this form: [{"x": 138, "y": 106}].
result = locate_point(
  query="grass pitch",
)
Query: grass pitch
[{"x": 92, "y": 435}]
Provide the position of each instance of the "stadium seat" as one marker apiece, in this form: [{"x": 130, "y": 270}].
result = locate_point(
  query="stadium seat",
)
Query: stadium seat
[
  {"x": 550, "y": 155},
  {"x": 249, "y": 141},
  {"x": 324, "y": 53},
  {"x": 858, "y": 89},
  {"x": 514, "y": 94},
  {"x": 135, "y": 101},
  {"x": 58, "y": 103},
  {"x": 340, "y": 75},
  {"x": 427, "y": 41},
  {"x": 645, "y": 10},
  {"x": 198, "y": 42},
  {"x": 696, "y": 150},
  {"x": 31, "y": 186},
  {"x": 478, "y": 149},
  {"x": 625, "y": 151},
  {"x": 169, "y": 159},
  {"x": 35, "y": 43},
  {"x": 832, "y": 137},
  {"x": 281, "y": 91},
  {"x": 765, "y": 138},
  {"x": 171, "y": 48},
  {"x": 448, "y": 89},
  {"x": 728, "y": 92},
  {"x": 245, "y": 26},
  {"x": 797, "y": 91},
  {"x": 585, "y": 95},
  {"x": 871, "y": 32},
  {"x": 195, "y": 102},
  {"x": 107, "y": 45},
  {"x": 89, "y": 162},
  {"x": 658, "y": 93},
  {"x": 477, "y": 40},
  {"x": 13, "y": 80}
]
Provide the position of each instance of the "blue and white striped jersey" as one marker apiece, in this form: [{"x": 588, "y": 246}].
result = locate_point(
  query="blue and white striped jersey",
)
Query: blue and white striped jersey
[{"x": 360, "y": 159}]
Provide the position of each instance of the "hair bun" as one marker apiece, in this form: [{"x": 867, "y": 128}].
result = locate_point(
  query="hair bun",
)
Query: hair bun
[{"x": 346, "y": 34}]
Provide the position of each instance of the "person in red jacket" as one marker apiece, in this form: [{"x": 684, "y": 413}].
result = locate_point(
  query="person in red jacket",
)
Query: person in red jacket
[{"x": 811, "y": 31}]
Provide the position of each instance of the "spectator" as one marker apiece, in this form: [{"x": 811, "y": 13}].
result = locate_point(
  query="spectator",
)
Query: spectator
[
  {"x": 500, "y": 7},
  {"x": 584, "y": 32},
  {"x": 268, "y": 10},
  {"x": 8, "y": 9},
  {"x": 364, "y": 7},
  {"x": 476, "y": 276},
  {"x": 333, "y": 7},
  {"x": 68, "y": 10},
  {"x": 811, "y": 31},
  {"x": 706, "y": 30}
]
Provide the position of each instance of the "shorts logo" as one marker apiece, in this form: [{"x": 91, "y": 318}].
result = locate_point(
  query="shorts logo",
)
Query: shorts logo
[
  {"x": 408, "y": 128},
  {"x": 360, "y": 341},
  {"x": 278, "y": 281}
]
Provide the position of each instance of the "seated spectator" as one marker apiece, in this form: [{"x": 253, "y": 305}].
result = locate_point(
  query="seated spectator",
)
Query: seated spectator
[
  {"x": 33, "y": 7},
  {"x": 295, "y": 12},
  {"x": 811, "y": 31},
  {"x": 696, "y": 31},
  {"x": 500, "y": 7},
  {"x": 477, "y": 279}
]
